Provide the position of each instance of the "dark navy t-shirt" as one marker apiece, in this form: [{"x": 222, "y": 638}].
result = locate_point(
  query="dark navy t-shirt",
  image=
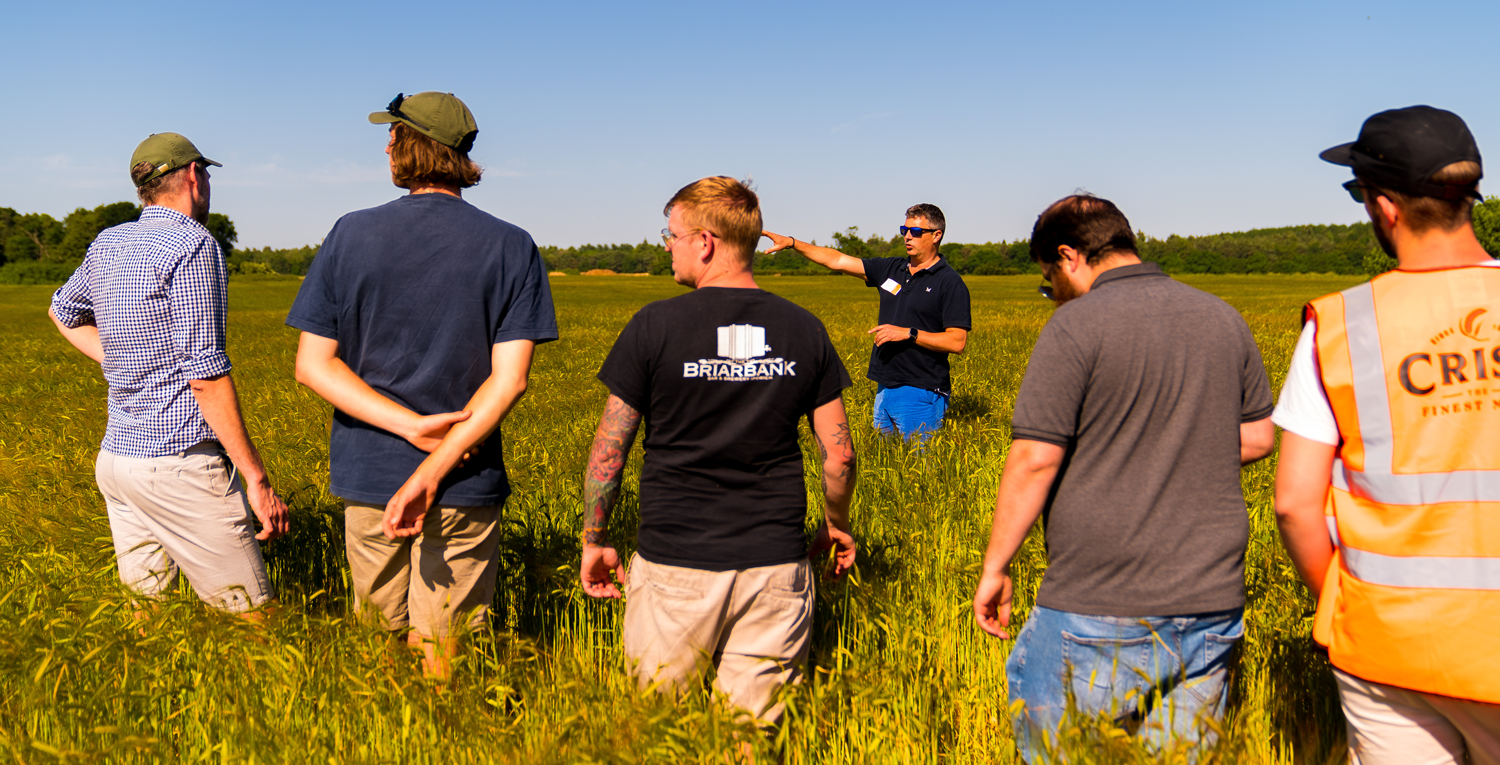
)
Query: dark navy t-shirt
[
  {"x": 931, "y": 300},
  {"x": 417, "y": 292},
  {"x": 722, "y": 376}
]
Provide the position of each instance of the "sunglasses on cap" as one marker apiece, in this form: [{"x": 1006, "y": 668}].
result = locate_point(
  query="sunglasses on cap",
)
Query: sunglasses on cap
[
  {"x": 394, "y": 108},
  {"x": 917, "y": 231}
]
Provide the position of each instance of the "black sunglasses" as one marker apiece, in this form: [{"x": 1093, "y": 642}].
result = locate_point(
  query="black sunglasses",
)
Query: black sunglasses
[
  {"x": 1045, "y": 291},
  {"x": 395, "y": 111},
  {"x": 1355, "y": 190},
  {"x": 917, "y": 231}
]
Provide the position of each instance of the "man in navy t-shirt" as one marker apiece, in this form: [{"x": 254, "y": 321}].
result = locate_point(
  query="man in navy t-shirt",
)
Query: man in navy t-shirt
[
  {"x": 924, "y": 317},
  {"x": 722, "y": 376},
  {"x": 418, "y": 319}
]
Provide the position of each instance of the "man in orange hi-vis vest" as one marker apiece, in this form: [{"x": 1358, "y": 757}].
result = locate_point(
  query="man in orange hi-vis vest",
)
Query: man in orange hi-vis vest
[{"x": 1388, "y": 487}]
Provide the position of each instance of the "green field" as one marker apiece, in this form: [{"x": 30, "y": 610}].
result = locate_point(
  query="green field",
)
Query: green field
[{"x": 900, "y": 672}]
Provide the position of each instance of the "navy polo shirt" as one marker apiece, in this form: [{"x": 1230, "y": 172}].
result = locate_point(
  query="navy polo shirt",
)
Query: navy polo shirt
[{"x": 931, "y": 300}]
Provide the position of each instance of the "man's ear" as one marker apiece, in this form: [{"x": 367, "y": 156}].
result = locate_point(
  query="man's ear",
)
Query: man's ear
[
  {"x": 1387, "y": 210},
  {"x": 937, "y": 238},
  {"x": 1071, "y": 258}
]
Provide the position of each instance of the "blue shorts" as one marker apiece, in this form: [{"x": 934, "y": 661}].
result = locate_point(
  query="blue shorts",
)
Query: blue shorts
[{"x": 909, "y": 411}]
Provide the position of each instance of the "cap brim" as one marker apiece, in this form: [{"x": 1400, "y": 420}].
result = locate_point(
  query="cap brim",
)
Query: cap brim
[
  {"x": 1343, "y": 154},
  {"x": 382, "y": 118},
  {"x": 208, "y": 161}
]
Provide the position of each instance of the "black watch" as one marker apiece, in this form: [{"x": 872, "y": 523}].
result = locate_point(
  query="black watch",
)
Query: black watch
[{"x": 914, "y": 334}]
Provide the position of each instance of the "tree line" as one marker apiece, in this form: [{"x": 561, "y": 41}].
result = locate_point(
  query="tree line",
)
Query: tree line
[{"x": 36, "y": 248}]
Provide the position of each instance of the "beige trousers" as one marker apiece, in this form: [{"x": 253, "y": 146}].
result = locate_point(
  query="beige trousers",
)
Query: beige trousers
[
  {"x": 753, "y": 625},
  {"x": 1395, "y": 726},
  {"x": 187, "y": 512},
  {"x": 432, "y": 582}
]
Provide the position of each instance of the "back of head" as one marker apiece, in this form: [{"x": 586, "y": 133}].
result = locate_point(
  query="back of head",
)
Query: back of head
[
  {"x": 724, "y": 206},
  {"x": 156, "y": 162},
  {"x": 1423, "y": 159},
  {"x": 417, "y": 161},
  {"x": 1092, "y": 226}
]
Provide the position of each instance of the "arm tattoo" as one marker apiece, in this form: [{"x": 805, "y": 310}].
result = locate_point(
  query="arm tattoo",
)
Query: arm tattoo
[{"x": 601, "y": 482}]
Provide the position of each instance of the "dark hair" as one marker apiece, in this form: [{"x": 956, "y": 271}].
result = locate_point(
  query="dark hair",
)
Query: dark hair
[
  {"x": 930, "y": 213},
  {"x": 162, "y": 185},
  {"x": 1088, "y": 224},
  {"x": 417, "y": 160},
  {"x": 1426, "y": 213}
]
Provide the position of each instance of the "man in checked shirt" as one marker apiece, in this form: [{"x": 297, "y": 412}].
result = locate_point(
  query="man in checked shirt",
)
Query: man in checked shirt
[{"x": 148, "y": 303}]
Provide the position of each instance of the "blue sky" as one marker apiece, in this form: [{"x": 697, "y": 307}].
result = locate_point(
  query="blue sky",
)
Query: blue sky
[{"x": 1195, "y": 117}]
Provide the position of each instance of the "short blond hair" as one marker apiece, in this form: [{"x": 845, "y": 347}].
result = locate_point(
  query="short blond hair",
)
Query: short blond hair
[
  {"x": 723, "y": 206},
  {"x": 1426, "y": 213}
]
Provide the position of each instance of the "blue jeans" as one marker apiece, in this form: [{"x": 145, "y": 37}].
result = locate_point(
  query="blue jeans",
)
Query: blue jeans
[
  {"x": 1164, "y": 673},
  {"x": 909, "y": 411}
]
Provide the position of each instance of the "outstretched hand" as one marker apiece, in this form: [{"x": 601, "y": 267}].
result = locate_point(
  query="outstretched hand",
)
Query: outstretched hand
[
  {"x": 778, "y": 242},
  {"x": 992, "y": 603},
  {"x": 598, "y": 562}
]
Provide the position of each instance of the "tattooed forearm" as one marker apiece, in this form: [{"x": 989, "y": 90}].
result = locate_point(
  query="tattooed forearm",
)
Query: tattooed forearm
[{"x": 601, "y": 482}]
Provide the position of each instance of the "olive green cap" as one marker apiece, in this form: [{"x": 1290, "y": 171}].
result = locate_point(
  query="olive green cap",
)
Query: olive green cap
[
  {"x": 439, "y": 116},
  {"x": 167, "y": 151}
]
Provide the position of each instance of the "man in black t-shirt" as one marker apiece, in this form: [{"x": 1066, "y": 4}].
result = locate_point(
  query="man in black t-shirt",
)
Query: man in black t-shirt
[
  {"x": 1142, "y": 399},
  {"x": 721, "y": 376},
  {"x": 924, "y": 317}
]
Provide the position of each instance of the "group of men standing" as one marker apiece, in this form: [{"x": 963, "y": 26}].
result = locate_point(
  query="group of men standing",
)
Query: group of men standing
[{"x": 1141, "y": 401}]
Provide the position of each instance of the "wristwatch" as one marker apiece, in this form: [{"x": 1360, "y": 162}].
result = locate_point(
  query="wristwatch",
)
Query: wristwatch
[{"x": 914, "y": 334}]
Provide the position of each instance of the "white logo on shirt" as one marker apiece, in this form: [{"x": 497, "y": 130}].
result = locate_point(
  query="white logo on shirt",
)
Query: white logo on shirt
[{"x": 741, "y": 348}]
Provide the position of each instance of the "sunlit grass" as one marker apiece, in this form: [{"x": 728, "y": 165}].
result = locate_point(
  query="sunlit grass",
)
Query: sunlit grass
[{"x": 899, "y": 671}]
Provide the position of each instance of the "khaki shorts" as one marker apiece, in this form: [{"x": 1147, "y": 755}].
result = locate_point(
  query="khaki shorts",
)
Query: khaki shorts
[
  {"x": 1396, "y": 726},
  {"x": 754, "y": 625},
  {"x": 186, "y": 512},
  {"x": 432, "y": 582}
]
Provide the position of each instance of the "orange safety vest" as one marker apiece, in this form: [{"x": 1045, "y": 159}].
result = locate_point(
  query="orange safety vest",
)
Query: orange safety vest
[{"x": 1411, "y": 365}]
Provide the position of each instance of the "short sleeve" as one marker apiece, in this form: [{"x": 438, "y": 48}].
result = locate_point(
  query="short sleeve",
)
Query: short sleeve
[
  {"x": 73, "y": 303},
  {"x": 1255, "y": 390},
  {"x": 627, "y": 369},
  {"x": 1303, "y": 408},
  {"x": 877, "y": 270},
  {"x": 833, "y": 378},
  {"x": 1052, "y": 391},
  {"x": 198, "y": 296},
  {"x": 528, "y": 313},
  {"x": 316, "y": 309},
  {"x": 956, "y": 306}
]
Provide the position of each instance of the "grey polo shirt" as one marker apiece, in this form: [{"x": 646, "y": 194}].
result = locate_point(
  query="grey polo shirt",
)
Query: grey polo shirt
[{"x": 1145, "y": 381}]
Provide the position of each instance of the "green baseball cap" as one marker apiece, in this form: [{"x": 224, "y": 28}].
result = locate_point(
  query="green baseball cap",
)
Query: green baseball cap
[
  {"x": 439, "y": 116},
  {"x": 167, "y": 152}
]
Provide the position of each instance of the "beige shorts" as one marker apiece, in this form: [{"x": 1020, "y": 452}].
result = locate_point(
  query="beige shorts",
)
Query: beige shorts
[
  {"x": 1396, "y": 726},
  {"x": 186, "y": 512},
  {"x": 753, "y": 625},
  {"x": 432, "y": 582}
]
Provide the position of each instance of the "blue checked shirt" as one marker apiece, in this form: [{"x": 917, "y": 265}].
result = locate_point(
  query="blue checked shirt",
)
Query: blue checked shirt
[{"x": 156, "y": 289}]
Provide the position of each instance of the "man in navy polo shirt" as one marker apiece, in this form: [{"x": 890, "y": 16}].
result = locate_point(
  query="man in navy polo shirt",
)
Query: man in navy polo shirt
[{"x": 924, "y": 317}]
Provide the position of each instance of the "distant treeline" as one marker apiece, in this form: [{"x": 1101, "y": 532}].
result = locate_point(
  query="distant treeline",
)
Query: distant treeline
[{"x": 36, "y": 248}]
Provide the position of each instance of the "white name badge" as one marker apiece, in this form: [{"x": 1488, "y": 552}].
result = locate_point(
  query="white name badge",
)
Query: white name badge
[{"x": 891, "y": 286}]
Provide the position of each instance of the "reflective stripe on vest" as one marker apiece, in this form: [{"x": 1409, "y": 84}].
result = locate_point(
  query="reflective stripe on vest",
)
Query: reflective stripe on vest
[{"x": 1413, "y": 596}]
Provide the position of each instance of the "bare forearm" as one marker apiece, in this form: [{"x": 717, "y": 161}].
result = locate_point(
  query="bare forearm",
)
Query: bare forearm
[
  {"x": 489, "y": 406},
  {"x": 1257, "y": 440},
  {"x": 830, "y": 258},
  {"x": 85, "y": 338},
  {"x": 601, "y": 482},
  {"x": 839, "y": 478},
  {"x": 1029, "y": 472},
  {"x": 219, "y": 403},
  {"x": 950, "y": 340},
  {"x": 1303, "y": 474},
  {"x": 1305, "y": 536},
  {"x": 329, "y": 377}
]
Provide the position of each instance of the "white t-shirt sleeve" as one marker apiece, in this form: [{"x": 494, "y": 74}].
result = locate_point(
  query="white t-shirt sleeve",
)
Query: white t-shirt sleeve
[{"x": 1303, "y": 408}]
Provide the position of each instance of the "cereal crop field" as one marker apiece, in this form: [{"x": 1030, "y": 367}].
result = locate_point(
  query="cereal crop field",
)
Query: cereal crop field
[{"x": 899, "y": 673}]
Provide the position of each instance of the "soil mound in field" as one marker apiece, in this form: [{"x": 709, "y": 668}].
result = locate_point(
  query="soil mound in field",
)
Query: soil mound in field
[{"x": 600, "y": 272}]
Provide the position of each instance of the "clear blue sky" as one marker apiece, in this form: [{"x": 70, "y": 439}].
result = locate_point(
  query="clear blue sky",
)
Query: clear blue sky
[{"x": 1195, "y": 117}]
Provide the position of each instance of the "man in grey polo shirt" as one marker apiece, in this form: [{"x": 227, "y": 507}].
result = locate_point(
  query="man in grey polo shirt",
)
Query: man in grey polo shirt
[
  {"x": 148, "y": 304},
  {"x": 1142, "y": 399}
]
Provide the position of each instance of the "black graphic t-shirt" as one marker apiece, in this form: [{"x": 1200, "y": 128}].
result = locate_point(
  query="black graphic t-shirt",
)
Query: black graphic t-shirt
[{"x": 721, "y": 377}]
